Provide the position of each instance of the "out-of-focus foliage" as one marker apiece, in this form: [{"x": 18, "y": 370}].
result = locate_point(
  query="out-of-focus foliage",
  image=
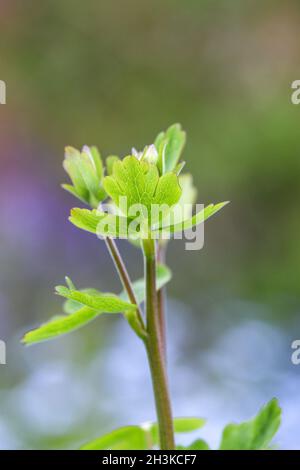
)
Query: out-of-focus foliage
[
  {"x": 255, "y": 434},
  {"x": 141, "y": 437}
]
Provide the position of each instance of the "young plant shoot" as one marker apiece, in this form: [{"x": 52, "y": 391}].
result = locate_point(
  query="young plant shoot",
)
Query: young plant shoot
[{"x": 146, "y": 198}]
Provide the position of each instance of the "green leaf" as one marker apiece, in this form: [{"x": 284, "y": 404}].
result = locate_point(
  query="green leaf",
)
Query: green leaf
[
  {"x": 197, "y": 219},
  {"x": 137, "y": 182},
  {"x": 141, "y": 437},
  {"x": 159, "y": 140},
  {"x": 106, "y": 225},
  {"x": 126, "y": 438},
  {"x": 108, "y": 303},
  {"x": 71, "y": 166},
  {"x": 163, "y": 276},
  {"x": 60, "y": 325},
  {"x": 86, "y": 172},
  {"x": 89, "y": 171},
  {"x": 199, "y": 444},
  {"x": 71, "y": 306},
  {"x": 255, "y": 434},
  {"x": 186, "y": 424},
  {"x": 160, "y": 145},
  {"x": 116, "y": 226},
  {"x": 169, "y": 145},
  {"x": 103, "y": 224},
  {"x": 183, "y": 209},
  {"x": 86, "y": 219},
  {"x": 110, "y": 161},
  {"x": 179, "y": 167},
  {"x": 181, "y": 426},
  {"x": 72, "y": 190},
  {"x": 70, "y": 283},
  {"x": 96, "y": 160},
  {"x": 134, "y": 180},
  {"x": 167, "y": 190},
  {"x": 81, "y": 307}
]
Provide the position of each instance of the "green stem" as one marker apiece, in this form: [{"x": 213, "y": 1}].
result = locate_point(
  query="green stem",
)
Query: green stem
[
  {"x": 125, "y": 279},
  {"x": 155, "y": 352},
  {"x": 161, "y": 258}
]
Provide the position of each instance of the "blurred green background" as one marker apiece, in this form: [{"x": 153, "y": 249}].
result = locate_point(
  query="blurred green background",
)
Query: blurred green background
[{"x": 115, "y": 73}]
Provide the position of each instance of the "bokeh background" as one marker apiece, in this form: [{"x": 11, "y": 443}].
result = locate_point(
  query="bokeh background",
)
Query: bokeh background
[{"x": 114, "y": 73}]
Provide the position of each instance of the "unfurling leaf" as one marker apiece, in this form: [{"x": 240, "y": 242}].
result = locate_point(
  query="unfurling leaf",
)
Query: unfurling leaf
[
  {"x": 110, "y": 161},
  {"x": 169, "y": 145},
  {"x": 85, "y": 170}
]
